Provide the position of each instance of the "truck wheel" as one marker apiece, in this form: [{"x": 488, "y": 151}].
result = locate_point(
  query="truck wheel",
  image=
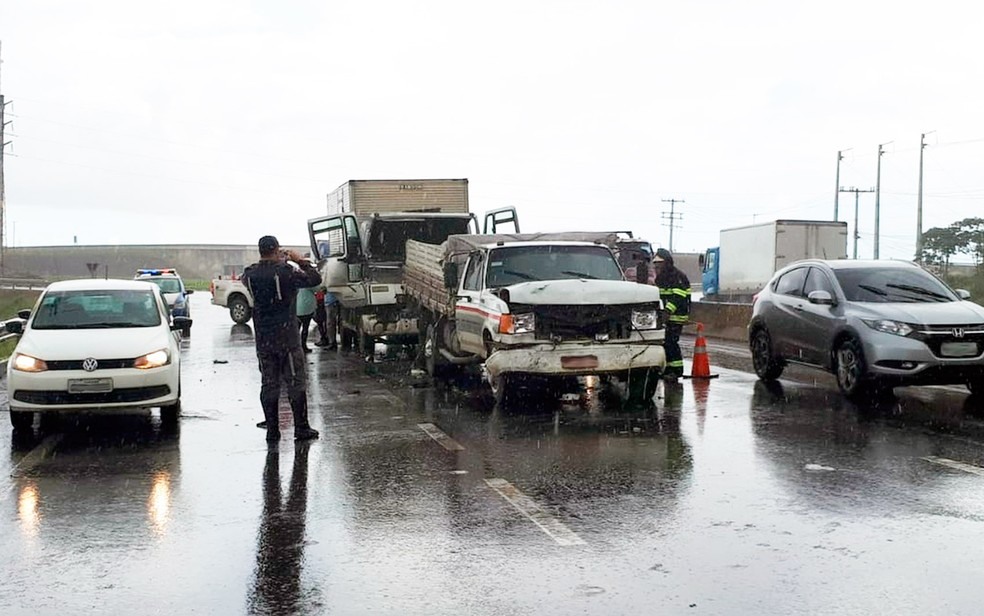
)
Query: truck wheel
[
  {"x": 767, "y": 366},
  {"x": 22, "y": 421},
  {"x": 503, "y": 391},
  {"x": 642, "y": 386},
  {"x": 239, "y": 310},
  {"x": 367, "y": 344},
  {"x": 434, "y": 362}
]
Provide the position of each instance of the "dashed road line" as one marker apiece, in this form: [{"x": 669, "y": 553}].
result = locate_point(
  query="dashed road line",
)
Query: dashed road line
[
  {"x": 442, "y": 439},
  {"x": 960, "y": 466},
  {"x": 37, "y": 455},
  {"x": 529, "y": 508}
]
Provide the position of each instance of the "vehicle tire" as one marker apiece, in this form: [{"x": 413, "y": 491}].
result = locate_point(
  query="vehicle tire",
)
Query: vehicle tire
[
  {"x": 641, "y": 386},
  {"x": 434, "y": 362},
  {"x": 22, "y": 420},
  {"x": 503, "y": 393},
  {"x": 767, "y": 366},
  {"x": 367, "y": 344},
  {"x": 239, "y": 310},
  {"x": 976, "y": 386},
  {"x": 170, "y": 413},
  {"x": 850, "y": 369}
]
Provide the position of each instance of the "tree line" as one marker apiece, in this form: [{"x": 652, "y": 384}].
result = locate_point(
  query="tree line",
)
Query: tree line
[{"x": 962, "y": 237}]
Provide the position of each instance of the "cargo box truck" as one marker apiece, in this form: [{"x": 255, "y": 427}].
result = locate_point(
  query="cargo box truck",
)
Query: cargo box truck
[{"x": 747, "y": 257}]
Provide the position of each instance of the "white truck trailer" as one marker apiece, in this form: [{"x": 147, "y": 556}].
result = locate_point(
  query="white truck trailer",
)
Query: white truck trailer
[
  {"x": 361, "y": 197},
  {"x": 747, "y": 257}
]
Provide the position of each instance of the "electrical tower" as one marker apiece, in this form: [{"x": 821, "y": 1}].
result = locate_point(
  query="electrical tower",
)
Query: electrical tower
[
  {"x": 856, "y": 191},
  {"x": 672, "y": 217}
]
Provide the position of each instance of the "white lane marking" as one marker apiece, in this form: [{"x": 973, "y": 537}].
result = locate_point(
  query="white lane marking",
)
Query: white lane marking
[
  {"x": 528, "y": 507},
  {"x": 442, "y": 439},
  {"x": 960, "y": 466},
  {"x": 37, "y": 455}
]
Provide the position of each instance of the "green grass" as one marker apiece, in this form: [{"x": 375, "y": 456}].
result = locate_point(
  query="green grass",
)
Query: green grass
[
  {"x": 974, "y": 284},
  {"x": 11, "y": 301},
  {"x": 198, "y": 285}
]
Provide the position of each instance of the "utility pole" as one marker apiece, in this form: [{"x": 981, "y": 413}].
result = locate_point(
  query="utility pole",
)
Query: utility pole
[
  {"x": 856, "y": 234},
  {"x": 837, "y": 183},
  {"x": 881, "y": 150},
  {"x": 3, "y": 198},
  {"x": 672, "y": 217},
  {"x": 919, "y": 203}
]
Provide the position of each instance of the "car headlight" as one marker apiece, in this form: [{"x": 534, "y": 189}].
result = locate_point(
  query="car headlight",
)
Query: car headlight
[
  {"x": 519, "y": 323},
  {"x": 153, "y": 360},
  {"x": 889, "y": 327},
  {"x": 645, "y": 319},
  {"x": 26, "y": 363}
]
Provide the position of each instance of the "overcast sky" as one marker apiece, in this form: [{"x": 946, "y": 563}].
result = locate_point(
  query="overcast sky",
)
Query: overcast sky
[{"x": 213, "y": 121}]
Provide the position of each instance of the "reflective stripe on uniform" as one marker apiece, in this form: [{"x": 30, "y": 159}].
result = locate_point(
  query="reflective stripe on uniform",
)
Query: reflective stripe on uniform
[{"x": 675, "y": 364}]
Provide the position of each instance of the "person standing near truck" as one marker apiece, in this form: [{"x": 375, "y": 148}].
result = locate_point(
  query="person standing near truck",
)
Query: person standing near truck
[
  {"x": 674, "y": 291},
  {"x": 273, "y": 282}
]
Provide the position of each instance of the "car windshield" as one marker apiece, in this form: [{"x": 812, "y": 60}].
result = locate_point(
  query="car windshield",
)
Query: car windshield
[
  {"x": 96, "y": 309},
  {"x": 168, "y": 285},
  {"x": 891, "y": 284},
  {"x": 514, "y": 264}
]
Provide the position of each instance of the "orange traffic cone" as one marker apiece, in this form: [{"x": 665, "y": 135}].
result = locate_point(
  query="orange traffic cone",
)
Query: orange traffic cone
[{"x": 701, "y": 367}]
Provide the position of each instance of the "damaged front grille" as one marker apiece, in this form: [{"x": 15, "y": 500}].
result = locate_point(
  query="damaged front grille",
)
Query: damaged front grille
[{"x": 595, "y": 322}]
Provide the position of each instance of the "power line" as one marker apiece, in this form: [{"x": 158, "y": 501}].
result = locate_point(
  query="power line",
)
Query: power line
[{"x": 672, "y": 217}]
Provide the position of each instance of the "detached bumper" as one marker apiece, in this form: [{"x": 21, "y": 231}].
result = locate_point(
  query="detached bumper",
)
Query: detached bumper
[{"x": 576, "y": 359}]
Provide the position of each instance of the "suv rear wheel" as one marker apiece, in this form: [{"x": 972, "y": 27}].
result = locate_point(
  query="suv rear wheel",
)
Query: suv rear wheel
[{"x": 767, "y": 366}]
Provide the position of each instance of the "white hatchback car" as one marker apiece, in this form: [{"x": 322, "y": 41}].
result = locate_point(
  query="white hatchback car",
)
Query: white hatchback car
[{"x": 95, "y": 345}]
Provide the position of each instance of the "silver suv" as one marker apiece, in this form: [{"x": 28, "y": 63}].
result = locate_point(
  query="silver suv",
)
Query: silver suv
[{"x": 873, "y": 324}]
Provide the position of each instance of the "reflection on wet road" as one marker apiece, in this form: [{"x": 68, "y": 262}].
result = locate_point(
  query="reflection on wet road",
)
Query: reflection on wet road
[{"x": 727, "y": 496}]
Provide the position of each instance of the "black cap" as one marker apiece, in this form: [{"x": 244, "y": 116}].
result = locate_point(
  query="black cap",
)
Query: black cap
[
  {"x": 268, "y": 244},
  {"x": 663, "y": 254}
]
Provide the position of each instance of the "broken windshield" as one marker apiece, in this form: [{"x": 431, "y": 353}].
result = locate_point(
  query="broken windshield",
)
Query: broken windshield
[{"x": 514, "y": 264}]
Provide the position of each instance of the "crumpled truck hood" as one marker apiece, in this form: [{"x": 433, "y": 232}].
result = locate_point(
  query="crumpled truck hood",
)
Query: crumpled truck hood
[{"x": 582, "y": 292}]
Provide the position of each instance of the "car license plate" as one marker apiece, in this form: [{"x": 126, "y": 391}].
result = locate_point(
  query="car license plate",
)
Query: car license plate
[
  {"x": 958, "y": 349},
  {"x": 578, "y": 362},
  {"x": 90, "y": 386}
]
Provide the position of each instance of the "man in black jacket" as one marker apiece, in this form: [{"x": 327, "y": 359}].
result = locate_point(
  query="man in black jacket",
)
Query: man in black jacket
[
  {"x": 273, "y": 283},
  {"x": 674, "y": 290}
]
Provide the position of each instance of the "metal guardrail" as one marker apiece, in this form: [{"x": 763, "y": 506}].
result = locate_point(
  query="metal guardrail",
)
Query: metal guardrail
[{"x": 27, "y": 284}]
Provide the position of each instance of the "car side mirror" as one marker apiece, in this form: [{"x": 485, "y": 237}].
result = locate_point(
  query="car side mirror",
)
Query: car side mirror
[
  {"x": 14, "y": 327},
  {"x": 189, "y": 291},
  {"x": 451, "y": 275},
  {"x": 963, "y": 293},
  {"x": 700, "y": 261},
  {"x": 180, "y": 323},
  {"x": 823, "y": 298},
  {"x": 26, "y": 313}
]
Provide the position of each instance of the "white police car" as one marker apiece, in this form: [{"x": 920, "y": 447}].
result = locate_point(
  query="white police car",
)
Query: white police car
[{"x": 173, "y": 289}]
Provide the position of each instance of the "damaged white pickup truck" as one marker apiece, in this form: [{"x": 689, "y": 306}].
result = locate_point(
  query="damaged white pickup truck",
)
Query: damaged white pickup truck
[{"x": 535, "y": 308}]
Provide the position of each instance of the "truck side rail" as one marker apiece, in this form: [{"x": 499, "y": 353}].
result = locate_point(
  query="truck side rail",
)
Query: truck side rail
[{"x": 423, "y": 277}]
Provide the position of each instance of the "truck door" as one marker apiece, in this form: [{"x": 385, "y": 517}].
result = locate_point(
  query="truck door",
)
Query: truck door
[
  {"x": 469, "y": 312},
  {"x": 501, "y": 220},
  {"x": 336, "y": 242},
  {"x": 709, "y": 272}
]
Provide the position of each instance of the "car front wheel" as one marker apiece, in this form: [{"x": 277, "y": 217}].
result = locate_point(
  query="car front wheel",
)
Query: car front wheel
[
  {"x": 22, "y": 420},
  {"x": 851, "y": 369},
  {"x": 767, "y": 366}
]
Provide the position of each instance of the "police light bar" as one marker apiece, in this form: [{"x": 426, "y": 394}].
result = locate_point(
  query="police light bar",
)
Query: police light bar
[{"x": 155, "y": 272}]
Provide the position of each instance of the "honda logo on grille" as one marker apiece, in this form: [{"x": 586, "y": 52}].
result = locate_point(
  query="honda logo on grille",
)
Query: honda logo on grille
[
  {"x": 89, "y": 364},
  {"x": 958, "y": 332}
]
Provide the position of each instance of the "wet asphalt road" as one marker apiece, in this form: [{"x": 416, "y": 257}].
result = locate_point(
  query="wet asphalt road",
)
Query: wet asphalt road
[{"x": 726, "y": 497}]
